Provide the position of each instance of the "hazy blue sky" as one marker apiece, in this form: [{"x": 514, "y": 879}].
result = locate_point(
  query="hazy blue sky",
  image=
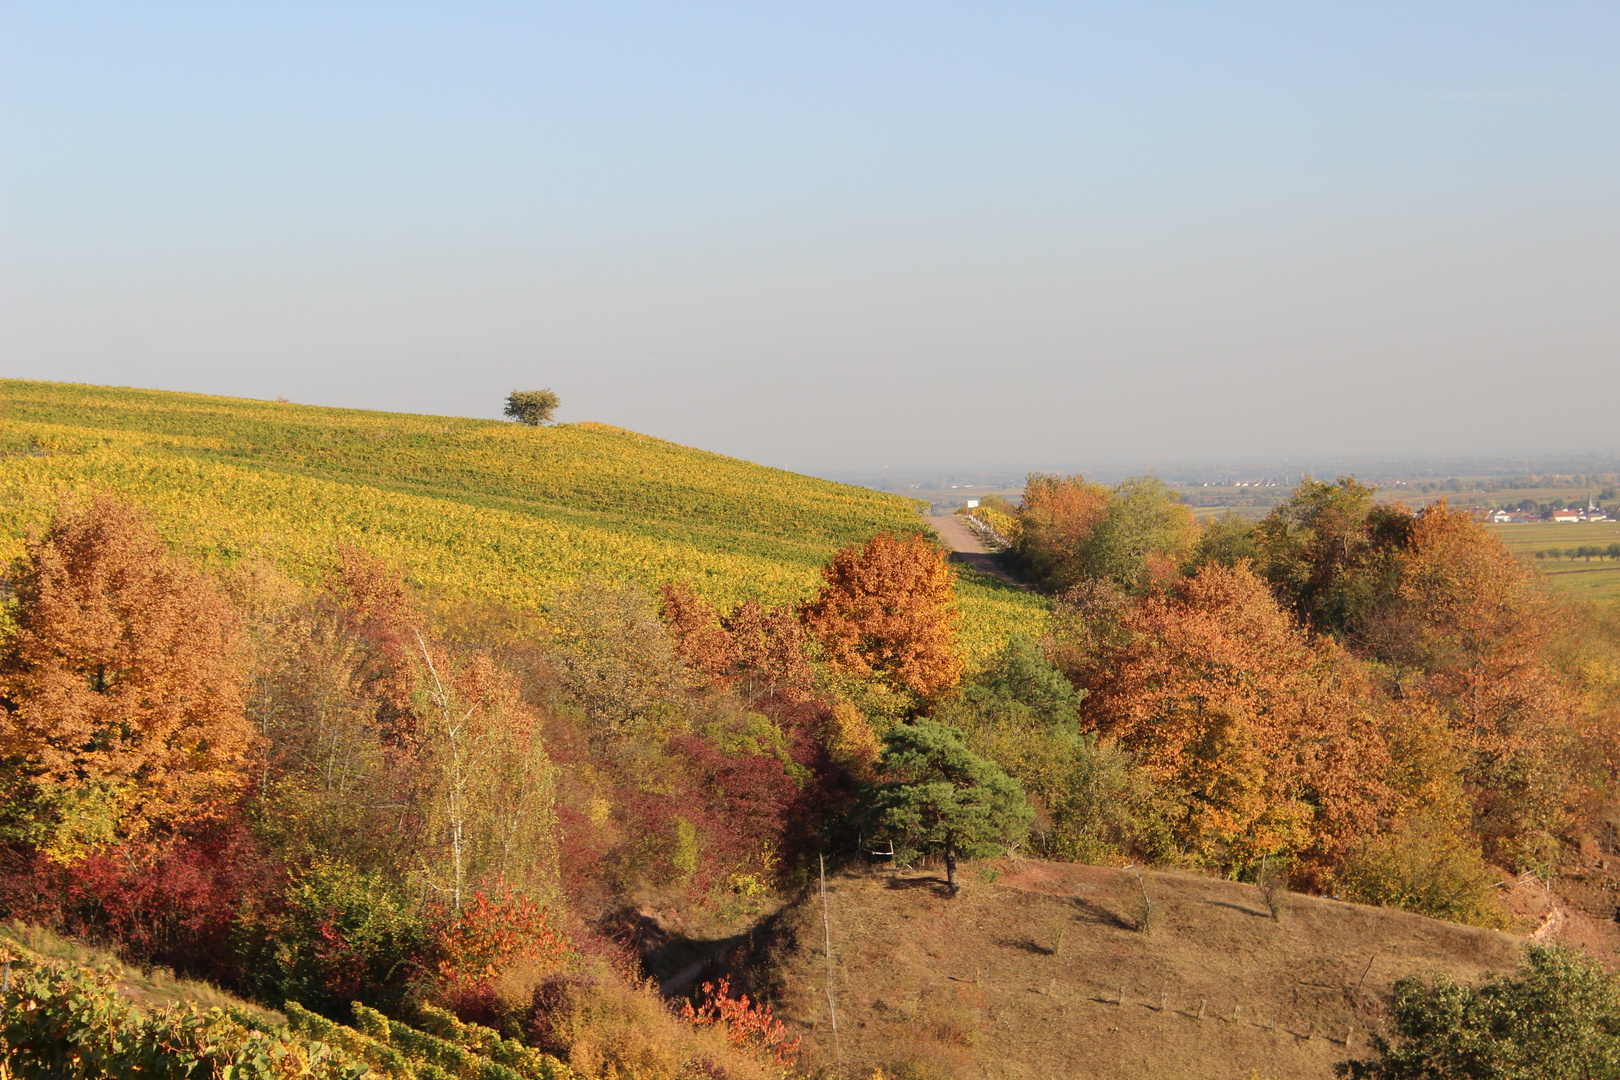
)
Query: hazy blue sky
[{"x": 837, "y": 235}]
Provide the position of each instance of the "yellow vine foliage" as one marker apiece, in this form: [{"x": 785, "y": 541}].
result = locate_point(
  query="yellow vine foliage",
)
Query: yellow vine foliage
[{"x": 468, "y": 508}]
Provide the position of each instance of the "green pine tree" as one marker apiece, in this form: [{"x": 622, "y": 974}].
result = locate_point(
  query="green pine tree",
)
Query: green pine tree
[{"x": 935, "y": 790}]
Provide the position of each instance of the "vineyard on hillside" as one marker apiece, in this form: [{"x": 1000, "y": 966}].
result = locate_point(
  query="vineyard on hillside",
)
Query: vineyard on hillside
[{"x": 469, "y": 508}]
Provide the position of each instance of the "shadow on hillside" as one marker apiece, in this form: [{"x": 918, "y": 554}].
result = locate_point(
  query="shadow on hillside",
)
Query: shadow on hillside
[
  {"x": 679, "y": 962},
  {"x": 1246, "y": 909},
  {"x": 936, "y": 885},
  {"x": 1098, "y": 915}
]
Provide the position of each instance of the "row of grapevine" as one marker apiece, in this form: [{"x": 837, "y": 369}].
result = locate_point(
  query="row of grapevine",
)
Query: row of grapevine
[{"x": 61, "y": 1021}]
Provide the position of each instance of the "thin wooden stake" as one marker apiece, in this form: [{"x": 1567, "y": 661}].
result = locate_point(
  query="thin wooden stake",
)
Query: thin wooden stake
[
  {"x": 1164, "y": 1001},
  {"x": 826, "y": 926},
  {"x": 1121, "y": 999},
  {"x": 1201, "y": 1003},
  {"x": 1235, "y": 1010}
]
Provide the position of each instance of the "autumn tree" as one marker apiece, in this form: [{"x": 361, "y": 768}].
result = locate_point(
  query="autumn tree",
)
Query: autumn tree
[
  {"x": 1131, "y": 534},
  {"x": 332, "y": 694},
  {"x": 121, "y": 697},
  {"x": 488, "y": 779},
  {"x": 617, "y": 660},
  {"x": 387, "y": 748},
  {"x": 1057, "y": 518},
  {"x": 1467, "y": 627},
  {"x": 933, "y": 790},
  {"x": 887, "y": 609},
  {"x": 1221, "y": 699},
  {"x": 757, "y": 651}
]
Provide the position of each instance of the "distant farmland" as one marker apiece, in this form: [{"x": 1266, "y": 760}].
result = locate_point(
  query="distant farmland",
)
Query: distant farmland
[{"x": 1591, "y": 579}]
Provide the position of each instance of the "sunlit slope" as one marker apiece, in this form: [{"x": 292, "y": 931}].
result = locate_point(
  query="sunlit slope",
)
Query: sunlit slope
[{"x": 470, "y": 507}]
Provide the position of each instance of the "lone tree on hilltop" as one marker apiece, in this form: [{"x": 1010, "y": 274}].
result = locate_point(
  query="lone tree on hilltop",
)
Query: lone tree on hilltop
[
  {"x": 935, "y": 790},
  {"x": 532, "y": 407}
]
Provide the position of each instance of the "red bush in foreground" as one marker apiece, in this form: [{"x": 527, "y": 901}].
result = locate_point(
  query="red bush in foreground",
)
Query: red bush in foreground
[{"x": 747, "y": 1024}]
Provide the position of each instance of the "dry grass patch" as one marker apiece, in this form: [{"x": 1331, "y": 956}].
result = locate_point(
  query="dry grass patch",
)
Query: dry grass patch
[{"x": 985, "y": 984}]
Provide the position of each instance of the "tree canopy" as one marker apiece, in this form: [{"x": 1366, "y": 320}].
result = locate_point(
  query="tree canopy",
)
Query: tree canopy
[
  {"x": 532, "y": 407},
  {"x": 888, "y": 609},
  {"x": 1072, "y": 530},
  {"x": 121, "y": 688}
]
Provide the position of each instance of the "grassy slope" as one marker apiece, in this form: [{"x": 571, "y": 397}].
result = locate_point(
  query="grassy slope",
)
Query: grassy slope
[
  {"x": 469, "y": 507},
  {"x": 1040, "y": 975}
]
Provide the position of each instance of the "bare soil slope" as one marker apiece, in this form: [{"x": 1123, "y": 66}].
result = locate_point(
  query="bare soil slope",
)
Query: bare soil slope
[{"x": 1043, "y": 973}]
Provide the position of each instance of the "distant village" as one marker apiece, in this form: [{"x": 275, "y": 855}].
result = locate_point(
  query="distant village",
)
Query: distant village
[{"x": 1563, "y": 514}]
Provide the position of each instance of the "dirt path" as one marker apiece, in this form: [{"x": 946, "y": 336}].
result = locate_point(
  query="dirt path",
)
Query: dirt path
[{"x": 968, "y": 549}]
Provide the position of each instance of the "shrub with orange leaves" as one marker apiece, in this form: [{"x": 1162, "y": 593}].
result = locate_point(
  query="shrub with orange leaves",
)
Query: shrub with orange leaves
[
  {"x": 888, "y": 610},
  {"x": 491, "y": 933},
  {"x": 1269, "y": 739},
  {"x": 1470, "y": 628},
  {"x": 747, "y": 1024},
  {"x": 1056, "y": 520}
]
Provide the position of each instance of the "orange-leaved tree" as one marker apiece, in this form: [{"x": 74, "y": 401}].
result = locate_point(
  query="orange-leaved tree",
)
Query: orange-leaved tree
[
  {"x": 121, "y": 689},
  {"x": 1058, "y": 516},
  {"x": 1469, "y": 626},
  {"x": 1268, "y": 739},
  {"x": 887, "y": 609},
  {"x": 756, "y": 650}
]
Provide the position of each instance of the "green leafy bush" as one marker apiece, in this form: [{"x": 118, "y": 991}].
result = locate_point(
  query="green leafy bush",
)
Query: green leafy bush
[
  {"x": 1559, "y": 1019},
  {"x": 1424, "y": 867},
  {"x": 343, "y": 934}
]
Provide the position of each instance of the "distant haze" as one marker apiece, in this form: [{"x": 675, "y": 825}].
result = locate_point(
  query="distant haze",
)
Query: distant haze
[{"x": 838, "y": 237}]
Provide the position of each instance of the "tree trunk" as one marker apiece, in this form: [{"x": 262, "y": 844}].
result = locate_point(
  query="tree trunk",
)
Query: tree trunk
[{"x": 950, "y": 863}]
